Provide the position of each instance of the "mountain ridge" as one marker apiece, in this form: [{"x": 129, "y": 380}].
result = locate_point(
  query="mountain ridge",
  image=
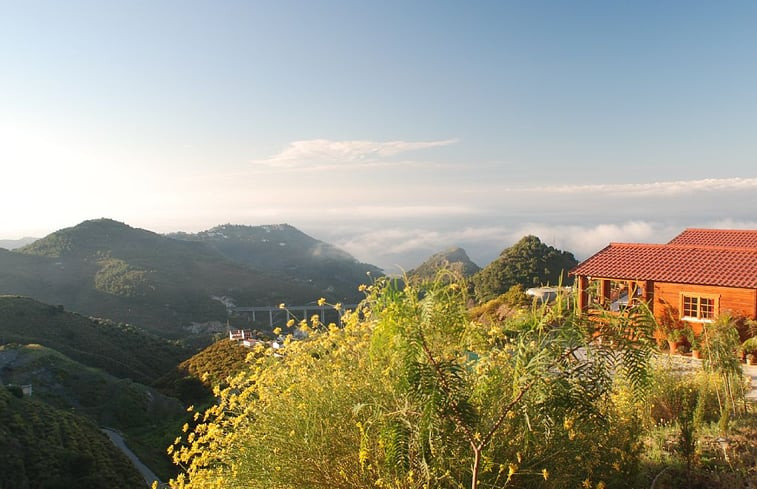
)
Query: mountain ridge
[{"x": 106, "y": 268}]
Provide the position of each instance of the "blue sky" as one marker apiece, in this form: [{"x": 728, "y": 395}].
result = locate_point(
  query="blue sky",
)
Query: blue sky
[{"x": 393, "y": 129}]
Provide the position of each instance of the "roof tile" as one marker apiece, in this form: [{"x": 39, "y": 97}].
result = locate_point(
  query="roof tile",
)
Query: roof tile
[{"x": 725, "y": 238}]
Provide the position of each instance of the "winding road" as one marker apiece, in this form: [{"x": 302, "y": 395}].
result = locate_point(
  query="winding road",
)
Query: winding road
[{"x": 143, "y": 469}]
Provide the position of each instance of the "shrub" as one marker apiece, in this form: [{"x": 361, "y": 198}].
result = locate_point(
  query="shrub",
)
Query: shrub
[{"x": 411, "y": 393}]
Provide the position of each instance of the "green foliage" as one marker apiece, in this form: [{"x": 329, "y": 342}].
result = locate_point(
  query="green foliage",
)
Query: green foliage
[
  {"x": 412, "y": 393},
  {"x": 750, "y": 345},
  {"x": 193, "y": 379},
  {"x": 528, "y": 263},
  {"x": 117, "y": 277},
  {"x": 721, "y": 341},
  {"x": 44, "y": 447}
]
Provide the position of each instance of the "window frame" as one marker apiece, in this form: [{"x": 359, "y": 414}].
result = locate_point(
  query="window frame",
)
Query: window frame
[{"x": 715, "y": 298}]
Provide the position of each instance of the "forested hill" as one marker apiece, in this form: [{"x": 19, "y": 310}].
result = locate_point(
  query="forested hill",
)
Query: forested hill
[
  {"x": 118, "y": 348},
  {"x": 528, "y": 263},
  {"x": 455, "y": 260},
  {"x": 286, "y": 251},
  {"x": 108, "y": 269}
]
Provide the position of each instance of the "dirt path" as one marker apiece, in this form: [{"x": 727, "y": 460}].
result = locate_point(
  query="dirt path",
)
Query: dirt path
[{"x": 118, "y": 441}]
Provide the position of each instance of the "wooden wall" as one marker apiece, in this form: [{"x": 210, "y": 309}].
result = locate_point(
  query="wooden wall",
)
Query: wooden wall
[{"x": 736, "y": 301}]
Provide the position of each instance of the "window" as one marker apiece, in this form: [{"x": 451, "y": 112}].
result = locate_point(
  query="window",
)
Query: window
[{"x": 698, "y": 307}]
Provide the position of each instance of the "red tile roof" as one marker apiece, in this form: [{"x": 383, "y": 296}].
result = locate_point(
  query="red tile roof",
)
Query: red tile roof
[
  {"x": 727, "y": 238},
  {"x": 704, "y": 265}
]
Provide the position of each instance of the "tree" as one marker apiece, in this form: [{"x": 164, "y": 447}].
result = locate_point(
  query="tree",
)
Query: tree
[
  {"x": 411, "y": 393},
  {"x": 528, "y": 263}
]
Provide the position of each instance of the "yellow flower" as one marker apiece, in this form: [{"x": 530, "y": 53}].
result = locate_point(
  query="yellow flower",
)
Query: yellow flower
[
  {"x": 290, "y": 323},
  {"x": 277, "y": 331},
  {"x": 338, "y": 306},
  {"x": 282, "y": 306},
  {"x": 362, "y": 287},
  {"x": 545, "y": 474},
  {"x": 321, "y": 301},
  {"x": 600, "y": 485}
]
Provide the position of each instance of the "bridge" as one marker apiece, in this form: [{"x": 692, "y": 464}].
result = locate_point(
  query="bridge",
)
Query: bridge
[{"x": 270, "y": 311}]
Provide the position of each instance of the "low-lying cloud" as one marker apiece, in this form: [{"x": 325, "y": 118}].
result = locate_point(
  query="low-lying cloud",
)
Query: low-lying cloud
[
  {"x": 653, "y": 188},
  {"x": 396, "y": 249}
]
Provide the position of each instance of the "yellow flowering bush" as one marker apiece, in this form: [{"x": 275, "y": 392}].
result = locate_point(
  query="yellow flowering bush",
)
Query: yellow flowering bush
[{"x": 412, "y": 393}]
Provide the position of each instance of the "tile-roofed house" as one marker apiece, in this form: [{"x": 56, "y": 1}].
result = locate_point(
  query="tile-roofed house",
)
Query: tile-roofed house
[{"x": 698, "y": 275}]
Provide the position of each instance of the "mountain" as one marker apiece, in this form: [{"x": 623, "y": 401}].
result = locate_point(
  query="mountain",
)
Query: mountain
[
  {"x": 120, "y": 349},
  {"x": 455, "y": 260},
  {"x": 528, "y": 263},
  {"x": 108, "y": 269},
  {"x": 45, "y": 447},
  {"x": 10, "y": 244},
  {"x": 286, "y": 251}
]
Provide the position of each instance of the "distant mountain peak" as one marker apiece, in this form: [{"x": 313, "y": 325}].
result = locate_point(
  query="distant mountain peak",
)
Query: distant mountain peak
[
  {"x": 89, "y": 236},
  {"x": 454, "y": 259}
]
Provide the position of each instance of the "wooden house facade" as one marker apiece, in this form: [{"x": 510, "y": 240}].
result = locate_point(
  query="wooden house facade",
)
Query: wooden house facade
[{"x": 697, "y": 276}]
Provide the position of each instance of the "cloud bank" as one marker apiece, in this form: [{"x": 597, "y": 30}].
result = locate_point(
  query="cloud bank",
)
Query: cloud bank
[{"x": 652, "y": 188}]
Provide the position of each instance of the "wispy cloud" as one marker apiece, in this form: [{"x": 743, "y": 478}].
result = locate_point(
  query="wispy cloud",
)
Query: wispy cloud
[{"x": 325, "y": 152}]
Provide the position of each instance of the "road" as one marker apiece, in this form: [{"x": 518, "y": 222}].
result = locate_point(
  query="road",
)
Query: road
[{"x": 118, "y": 441}]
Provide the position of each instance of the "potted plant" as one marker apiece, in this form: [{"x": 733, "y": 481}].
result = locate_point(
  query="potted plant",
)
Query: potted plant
[
  {"x": 750, "y": 348},
  {"x": 673, "y": 329},
  {"x": 696, "y": 342}
]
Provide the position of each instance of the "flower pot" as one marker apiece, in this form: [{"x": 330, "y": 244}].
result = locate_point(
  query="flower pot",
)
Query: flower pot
[
  {"x": 696, "y": 354},
  {"x": 673, "y": 346},
  {"x": 751, "y": 359}
]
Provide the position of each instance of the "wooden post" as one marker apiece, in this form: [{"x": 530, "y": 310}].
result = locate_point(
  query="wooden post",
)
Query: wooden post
[
  {"x": 604, "y": 291},
  {"x": 583, "y": 294}
]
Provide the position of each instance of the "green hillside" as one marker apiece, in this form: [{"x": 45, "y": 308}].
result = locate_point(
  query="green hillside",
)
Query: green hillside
[
  {"x": 107, "y": 269},
  {"x": 68, "y": 384},
  {"x": 455, "y": 260},
  {"x": 146, "y": 416},
  {"x": 47, "y": 448},
  {"x": 122, "y": 350},
  {"x": 194, "y": 378},
  {"x": 284, "y": 250},
  {"x": 528, "y": 263}
]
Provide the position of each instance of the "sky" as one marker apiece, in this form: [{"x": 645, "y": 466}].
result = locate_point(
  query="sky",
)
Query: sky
[{"x": 393, "y": 129}]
